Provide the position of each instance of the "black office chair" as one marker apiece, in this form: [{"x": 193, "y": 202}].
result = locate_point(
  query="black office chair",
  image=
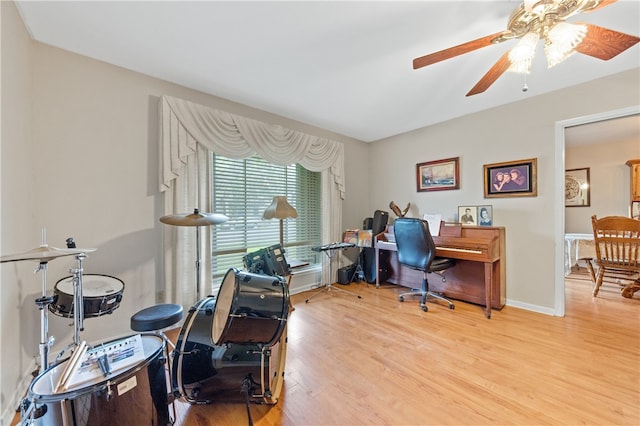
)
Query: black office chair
[{"x": 417, "y": 250}]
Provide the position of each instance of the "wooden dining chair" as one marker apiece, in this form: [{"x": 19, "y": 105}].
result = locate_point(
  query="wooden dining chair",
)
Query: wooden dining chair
[{"x": 617, "y": 243}]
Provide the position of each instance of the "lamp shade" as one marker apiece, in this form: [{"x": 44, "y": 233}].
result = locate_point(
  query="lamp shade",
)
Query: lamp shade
[
  {"x": 279, "y": 209},
  {"x": 522, "y": 54}
]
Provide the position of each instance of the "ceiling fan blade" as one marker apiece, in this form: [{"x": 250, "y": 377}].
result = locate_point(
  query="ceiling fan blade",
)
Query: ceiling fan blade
[
  {"x": 460, "y": 49},
  {"x": 603, "y": 43},
  {"x": 492, "y": 75}
]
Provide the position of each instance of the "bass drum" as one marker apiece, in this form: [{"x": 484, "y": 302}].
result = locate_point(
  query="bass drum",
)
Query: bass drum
[
  {"x": 135, "y": 396},
  {"x": 251, "y": 308},
  {"x": 204, "y": 373},
  {"x": 101, "y": 294}
]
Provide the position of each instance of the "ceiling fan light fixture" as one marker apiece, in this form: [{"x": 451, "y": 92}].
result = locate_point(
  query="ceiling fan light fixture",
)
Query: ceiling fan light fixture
[
  {"x": 538, "y": 6},
  {"x": 562, "y": 40},
  {"x": 522, "y": 54}
]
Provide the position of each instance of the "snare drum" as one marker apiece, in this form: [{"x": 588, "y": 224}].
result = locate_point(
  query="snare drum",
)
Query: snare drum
[
  {"x": 203, "y": 373},
  {"x": 101, "y": 294},
  {"x": 135, "y": 396},
  {"x": 250, "y": 308}
]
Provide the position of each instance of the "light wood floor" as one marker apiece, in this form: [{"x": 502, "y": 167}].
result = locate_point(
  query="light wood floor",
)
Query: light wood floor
[{"x": 376, "y": 361}]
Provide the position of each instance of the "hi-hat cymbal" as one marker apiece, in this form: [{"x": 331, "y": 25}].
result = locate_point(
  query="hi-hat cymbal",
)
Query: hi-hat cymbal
[
  {"x": 43, "y": 254},
  {"x": 194, "y": 219}
]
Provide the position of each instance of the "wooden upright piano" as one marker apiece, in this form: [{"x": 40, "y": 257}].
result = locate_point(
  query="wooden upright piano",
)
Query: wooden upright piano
[{"x": 479, "y": 274}]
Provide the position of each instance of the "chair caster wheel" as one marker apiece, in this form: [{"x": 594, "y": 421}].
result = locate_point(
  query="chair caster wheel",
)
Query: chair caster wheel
[
  {"x": 424, "y": 308},
  {"x": 400, "y": 298}
]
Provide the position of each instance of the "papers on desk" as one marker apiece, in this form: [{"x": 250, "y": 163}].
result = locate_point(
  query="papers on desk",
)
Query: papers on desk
[{"x": 434, "y": 223}]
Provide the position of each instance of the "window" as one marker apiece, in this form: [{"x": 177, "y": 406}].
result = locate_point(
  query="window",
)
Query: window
[{"x": 242, "y": 190}]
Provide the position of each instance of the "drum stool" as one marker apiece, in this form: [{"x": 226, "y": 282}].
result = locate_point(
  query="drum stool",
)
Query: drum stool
[{"x": 157, "y": 318}]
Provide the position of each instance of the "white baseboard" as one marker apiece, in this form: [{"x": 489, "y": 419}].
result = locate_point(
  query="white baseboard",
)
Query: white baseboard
[{"x": 530, "y": 307}]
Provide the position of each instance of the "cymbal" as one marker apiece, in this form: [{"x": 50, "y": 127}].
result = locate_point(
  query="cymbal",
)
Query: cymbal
[
  {"x": 43, "y": 254},
  {"x": 194, "y": 219}
]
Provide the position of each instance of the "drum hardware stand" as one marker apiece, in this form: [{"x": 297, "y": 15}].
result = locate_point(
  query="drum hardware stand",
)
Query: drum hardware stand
[
  {"x": 358, "y": 273},
  {"x": 29, "y": 410},
  {"x": 331, "y": 252},
  {"x": 78, "y": 303},
  {"x": 245, "y": 387},
  {"x": 43, "y": 254},
  {"x": 196, "y": 219},
  {"x": 43, "y": 303}
]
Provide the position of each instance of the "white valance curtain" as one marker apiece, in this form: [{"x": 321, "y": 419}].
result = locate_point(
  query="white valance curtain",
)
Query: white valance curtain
[{"x": 189, "y": 132}]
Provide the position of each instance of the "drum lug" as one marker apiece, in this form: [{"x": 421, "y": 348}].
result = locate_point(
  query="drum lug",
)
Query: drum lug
[{"x": 109, "y": 394}]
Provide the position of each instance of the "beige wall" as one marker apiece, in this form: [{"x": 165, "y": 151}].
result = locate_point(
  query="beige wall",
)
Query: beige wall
[
  {"x": 18, "y": 201},
  {"x": 520, "y": 130},
  {"x": 610, "y": 180},
  {"x": 79, "y": 157}
]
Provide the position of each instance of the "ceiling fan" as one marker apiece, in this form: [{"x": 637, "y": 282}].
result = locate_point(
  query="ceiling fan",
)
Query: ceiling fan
[{"x": 536, "y": 20}]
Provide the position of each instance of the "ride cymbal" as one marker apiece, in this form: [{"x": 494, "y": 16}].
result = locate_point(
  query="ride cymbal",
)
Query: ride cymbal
[
  {"x": 194, "y": 219},
  {"x": 43, "y": 254}
]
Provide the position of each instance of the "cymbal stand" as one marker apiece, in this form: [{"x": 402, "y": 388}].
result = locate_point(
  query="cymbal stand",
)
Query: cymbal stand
[
  {"x": 331, "y": 253},
  {"x": 78, "y": 303},
  {"x": 43, "y": 303}
]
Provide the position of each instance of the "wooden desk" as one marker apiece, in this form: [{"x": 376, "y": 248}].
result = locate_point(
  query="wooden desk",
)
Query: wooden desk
[{"x": 479, "y": 274}]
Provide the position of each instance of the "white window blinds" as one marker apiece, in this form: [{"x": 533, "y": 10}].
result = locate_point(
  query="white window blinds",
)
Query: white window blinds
[{"x": 242, "y": 190}]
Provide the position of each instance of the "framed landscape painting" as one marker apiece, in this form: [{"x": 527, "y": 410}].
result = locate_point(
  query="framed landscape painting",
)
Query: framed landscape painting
[{"x": 438, "y": 175}]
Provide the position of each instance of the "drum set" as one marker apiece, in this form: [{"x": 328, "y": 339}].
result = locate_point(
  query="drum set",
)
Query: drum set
[{"x": 231, "y": 348}]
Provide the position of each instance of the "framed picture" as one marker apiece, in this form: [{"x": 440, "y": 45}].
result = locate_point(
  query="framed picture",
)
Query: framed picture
[
  {"x": 511, "y": 179},
  {"x": 468, "y": 215},
  {"x": 485, "y": 215},
  {"x": 475, "y": 215},
  {"x": 438, "y": 175},
  {"x": 577, "y": 192}
]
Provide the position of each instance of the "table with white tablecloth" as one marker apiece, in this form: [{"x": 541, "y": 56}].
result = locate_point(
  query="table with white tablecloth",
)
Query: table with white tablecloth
[{"x": 578, "y": 247}]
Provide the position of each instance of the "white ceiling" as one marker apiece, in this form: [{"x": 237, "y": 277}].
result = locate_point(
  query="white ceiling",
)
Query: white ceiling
[{"x": 345, "y": 66}]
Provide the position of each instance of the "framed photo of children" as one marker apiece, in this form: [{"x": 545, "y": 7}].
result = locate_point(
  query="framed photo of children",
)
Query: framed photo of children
[
  {"x": 438, "y": 175},
  {"x": 511, "y": 179}
]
